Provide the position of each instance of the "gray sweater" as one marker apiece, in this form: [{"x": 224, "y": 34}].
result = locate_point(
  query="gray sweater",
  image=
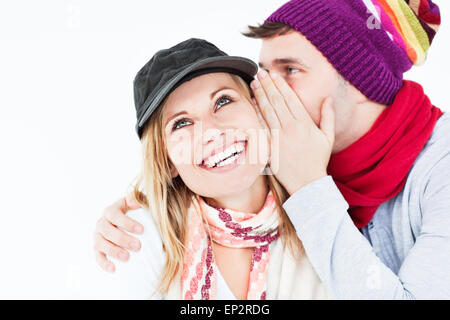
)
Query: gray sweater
[{"x": 404, "y": 252}]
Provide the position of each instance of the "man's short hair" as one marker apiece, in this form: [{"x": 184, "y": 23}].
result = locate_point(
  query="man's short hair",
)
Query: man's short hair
[{"x": 267, "y": 30}]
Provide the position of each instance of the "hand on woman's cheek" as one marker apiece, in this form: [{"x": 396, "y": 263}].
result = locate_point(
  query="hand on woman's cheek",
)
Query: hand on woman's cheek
[{"x": 304, "y": 149}]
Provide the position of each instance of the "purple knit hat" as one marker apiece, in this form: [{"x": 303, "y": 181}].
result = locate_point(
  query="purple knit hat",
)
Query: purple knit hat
[{"x": 372, "y": 59}]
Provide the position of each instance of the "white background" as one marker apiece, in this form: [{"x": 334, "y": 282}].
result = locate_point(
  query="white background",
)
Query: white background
[{"x": 68, "y": 145}]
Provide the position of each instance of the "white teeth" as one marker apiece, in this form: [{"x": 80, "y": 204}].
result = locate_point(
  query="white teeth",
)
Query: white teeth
[
  {"x": 210, "y": 164},
  {"x": 226, "y": 153},
  {"x": 218, "y": 158},
  {"x": 228, "y": 161},
  {"x": 231, "y": 150},
  {"x": 222, "y": 155}
]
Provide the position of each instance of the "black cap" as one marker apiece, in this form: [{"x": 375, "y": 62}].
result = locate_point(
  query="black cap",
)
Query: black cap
[{"x": 169, "y": 68}]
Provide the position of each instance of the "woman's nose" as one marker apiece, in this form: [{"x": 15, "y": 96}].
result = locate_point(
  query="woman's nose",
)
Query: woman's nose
[
  {"x": 205, "y": 134},
  {"x": 211, "y": 134},
  {"x": 210, "y": 129}
]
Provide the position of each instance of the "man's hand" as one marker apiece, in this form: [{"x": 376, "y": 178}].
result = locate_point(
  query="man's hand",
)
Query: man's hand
[
  {"x": 303, "y": 149},
  {"x": 109, "y": 240}
]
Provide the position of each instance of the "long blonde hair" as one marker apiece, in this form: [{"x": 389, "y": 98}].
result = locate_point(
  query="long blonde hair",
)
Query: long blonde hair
[{"x": 168, "y": 199}]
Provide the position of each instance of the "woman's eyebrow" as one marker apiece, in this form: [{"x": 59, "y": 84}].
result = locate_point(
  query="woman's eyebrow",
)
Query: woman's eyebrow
[
  {"x": 217, "y": 91},
  {"x": 174, "y": 116}
]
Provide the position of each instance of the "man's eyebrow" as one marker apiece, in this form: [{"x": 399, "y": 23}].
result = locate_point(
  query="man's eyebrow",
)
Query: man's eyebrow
[{"x": 285, "y": 60}]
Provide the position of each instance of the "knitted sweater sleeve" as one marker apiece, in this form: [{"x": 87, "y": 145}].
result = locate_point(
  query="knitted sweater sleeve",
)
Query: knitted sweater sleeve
[{"x": 344, "y": 259}]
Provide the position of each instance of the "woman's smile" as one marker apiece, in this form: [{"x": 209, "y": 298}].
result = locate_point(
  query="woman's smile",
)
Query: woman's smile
[{"x": 225, "y": 159}]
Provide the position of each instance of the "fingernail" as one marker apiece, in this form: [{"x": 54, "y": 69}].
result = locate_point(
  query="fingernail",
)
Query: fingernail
[
  {"x": 137, "y": 229},
  {"x": 255, "y": 84},
  {"x": 123, "y": 256},
  {"x": 275, "y": 75},
  {"x": 262, "y": 74},
  {"x": 134, "y": 245},
  {"x": 254, "y": 101}
]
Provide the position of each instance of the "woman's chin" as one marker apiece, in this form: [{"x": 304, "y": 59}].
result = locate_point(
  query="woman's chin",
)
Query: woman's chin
[{"x": 232, "y": 182}]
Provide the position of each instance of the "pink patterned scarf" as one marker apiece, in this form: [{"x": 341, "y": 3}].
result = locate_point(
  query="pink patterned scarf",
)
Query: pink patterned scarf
[{"x": 231, "y": 229}]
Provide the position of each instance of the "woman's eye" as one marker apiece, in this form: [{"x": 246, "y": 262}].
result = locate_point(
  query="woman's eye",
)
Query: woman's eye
[
  {"x": 177, "y": 124},
  {"x": 222, "y": 101}
]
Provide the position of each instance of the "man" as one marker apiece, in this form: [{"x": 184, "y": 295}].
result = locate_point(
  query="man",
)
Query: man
[{"x": 378, "y": 226}]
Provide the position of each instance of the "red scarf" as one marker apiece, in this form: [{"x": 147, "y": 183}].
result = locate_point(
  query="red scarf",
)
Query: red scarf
[{"x": 374, "y": 169}]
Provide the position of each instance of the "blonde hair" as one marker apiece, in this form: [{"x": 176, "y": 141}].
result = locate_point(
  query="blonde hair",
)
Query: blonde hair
[{"x": 168, "y": 199}]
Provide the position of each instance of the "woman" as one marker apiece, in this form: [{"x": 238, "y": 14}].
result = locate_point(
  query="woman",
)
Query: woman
[{"x": 214, "y": 224}]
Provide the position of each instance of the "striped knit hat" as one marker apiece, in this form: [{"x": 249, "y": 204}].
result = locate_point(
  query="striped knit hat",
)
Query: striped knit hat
[{"x": 370, "y": 42}]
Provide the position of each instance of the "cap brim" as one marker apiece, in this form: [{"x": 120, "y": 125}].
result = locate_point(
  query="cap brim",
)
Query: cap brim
[{"x": 243, "y": 65}]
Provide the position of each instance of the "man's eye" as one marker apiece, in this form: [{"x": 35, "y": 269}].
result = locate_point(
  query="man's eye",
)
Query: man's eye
[
  {"x": 177, "y": 124},
  {"x": 292, "y": 70},
  {"x": 222, "y": 101}
]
